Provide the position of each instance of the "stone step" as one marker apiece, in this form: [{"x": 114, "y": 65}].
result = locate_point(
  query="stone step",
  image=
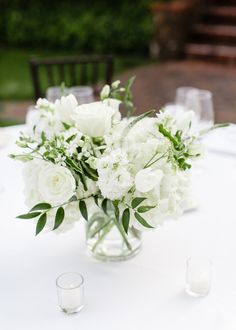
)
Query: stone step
[
  {"x": 221, "y": 15},
  {"x": 220, "y": 53},
  {"x": 220, "y": 34},
  {"x": 221, "y": 2}
]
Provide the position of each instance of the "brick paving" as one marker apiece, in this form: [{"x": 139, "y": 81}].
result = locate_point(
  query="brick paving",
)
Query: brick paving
[{"x": 155, "y": 86}]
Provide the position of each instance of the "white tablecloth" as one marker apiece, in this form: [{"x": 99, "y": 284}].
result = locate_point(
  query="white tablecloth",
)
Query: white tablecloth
[{"x": 146, "y": 292}]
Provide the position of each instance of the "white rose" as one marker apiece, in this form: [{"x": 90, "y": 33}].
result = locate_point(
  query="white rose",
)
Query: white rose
[
  {"x": 56, "y": 184},
  {"x": 65, "y": 108},
  {"x": 94, "y": 119},
  {"x": 147, "y": 179},
  {"x": 113, "y": 103}
]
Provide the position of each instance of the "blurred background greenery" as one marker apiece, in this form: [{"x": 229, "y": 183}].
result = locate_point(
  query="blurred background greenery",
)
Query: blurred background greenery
[{"x": 58, "y": 27}]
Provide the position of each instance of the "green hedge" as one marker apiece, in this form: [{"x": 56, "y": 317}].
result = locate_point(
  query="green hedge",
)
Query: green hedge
[{"x": 119, "y": 26}]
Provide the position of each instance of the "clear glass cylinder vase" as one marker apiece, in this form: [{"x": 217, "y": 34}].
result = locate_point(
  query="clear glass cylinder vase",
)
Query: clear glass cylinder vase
[{"x": 107, "y": 241}]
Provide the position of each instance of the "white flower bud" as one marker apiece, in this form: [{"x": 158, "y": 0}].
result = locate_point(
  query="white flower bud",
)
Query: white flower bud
[{"x": 105, "y": 92}]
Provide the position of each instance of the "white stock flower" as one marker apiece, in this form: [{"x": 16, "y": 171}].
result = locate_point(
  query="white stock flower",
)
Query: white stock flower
[
  {"x": 43, "y": 103},
  {"x": 147, "y": 179},
  {"x": 56, "y": 184},
  {"x": 114, "y": 178},
  {"x": 94, "y": 119},
  {"x": 41, "y": 120},
  {"x": 65, "y": 108}
]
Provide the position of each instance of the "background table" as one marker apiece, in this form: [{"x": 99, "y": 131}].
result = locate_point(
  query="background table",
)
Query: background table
[{"x": 146, "y": 292}]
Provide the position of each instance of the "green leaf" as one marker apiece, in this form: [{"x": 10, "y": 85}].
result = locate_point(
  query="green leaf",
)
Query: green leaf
[
  {"x": 96, "y": 200},
  {"x": 41, "y": 223},
  {"x": 41, "y": 206},
  {"x": 143, "y": 209},
  {"x": 104, "y": 205},
  {"x": 116, "y": 208},
  {"x": 83, "y": 209},
  {"x": 142, "y": 220},
  {"x": 75, "y": 166},
  {"x": 70, "y": 138},
  {"x": 29, "y": 215},
  {"x": 125, "y": 220},
  {"x": 59, "y": 217},
  {"x": 130, "y": 82},
  {"x": 136, "y": 201},
  {"x": 73, "y": 199},
  {"x": 66, "y": 126},
  {"x": 90, "y": 173},
  {"x": 43, "y": 136},
  {"x": 168, "y": 135}
]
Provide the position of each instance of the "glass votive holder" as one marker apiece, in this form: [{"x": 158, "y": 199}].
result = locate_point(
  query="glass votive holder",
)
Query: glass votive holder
[
  {"x": 83, "y": 94},
  {"x": 70, "y": 291},
  {"x": 54, "y": 93},
  {"x": 198, "y": 276}
]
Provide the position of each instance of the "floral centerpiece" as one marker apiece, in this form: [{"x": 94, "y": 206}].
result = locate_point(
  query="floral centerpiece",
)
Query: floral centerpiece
[{"x": 122, "y": 175}]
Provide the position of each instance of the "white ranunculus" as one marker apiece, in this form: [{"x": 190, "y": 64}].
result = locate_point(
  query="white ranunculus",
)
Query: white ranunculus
[
  {"x": 94, "y": 119},
  {"x": 65, "y": 108},
  {"x": 147, "y": 179},
  {"x": 56, "y": 184}
]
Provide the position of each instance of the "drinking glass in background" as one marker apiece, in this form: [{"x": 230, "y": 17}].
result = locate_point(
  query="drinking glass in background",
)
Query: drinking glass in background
[
  {"x": 83, "y": 94},
  {"x": 198, "y": 100},
  {"x": 56, "y": 92},
  {"x": 182, "y": 94}
]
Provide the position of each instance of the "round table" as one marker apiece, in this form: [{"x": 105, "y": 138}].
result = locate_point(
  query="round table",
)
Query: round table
[{"x": 146, "y": 292}]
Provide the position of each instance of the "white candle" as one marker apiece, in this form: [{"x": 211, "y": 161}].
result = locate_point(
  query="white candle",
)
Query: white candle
[
  {"x": 71, "y": 299},
  {"x": 199, "y": 283},
  {"x": 198, "y": 276}
]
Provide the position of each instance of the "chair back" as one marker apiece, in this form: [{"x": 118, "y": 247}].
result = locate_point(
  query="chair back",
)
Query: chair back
[{"x": 93, "y": 70}]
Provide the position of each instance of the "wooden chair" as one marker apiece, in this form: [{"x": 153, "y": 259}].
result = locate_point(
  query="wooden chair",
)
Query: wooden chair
[{"x": 73, "y": 71}]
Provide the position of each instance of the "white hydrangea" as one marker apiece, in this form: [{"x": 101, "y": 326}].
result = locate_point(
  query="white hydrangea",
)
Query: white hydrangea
[
  {"x": 114, "y": 179},
  {"x": 171, "y": 196}
]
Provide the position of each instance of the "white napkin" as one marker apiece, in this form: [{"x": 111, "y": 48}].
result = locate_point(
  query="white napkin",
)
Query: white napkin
[
  {"x": 4, "y": 137},
  {"x": 222, "y": 140}
]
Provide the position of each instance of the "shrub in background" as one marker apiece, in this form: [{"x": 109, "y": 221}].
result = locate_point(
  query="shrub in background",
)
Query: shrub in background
[{"x": 118, "y": 26}]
